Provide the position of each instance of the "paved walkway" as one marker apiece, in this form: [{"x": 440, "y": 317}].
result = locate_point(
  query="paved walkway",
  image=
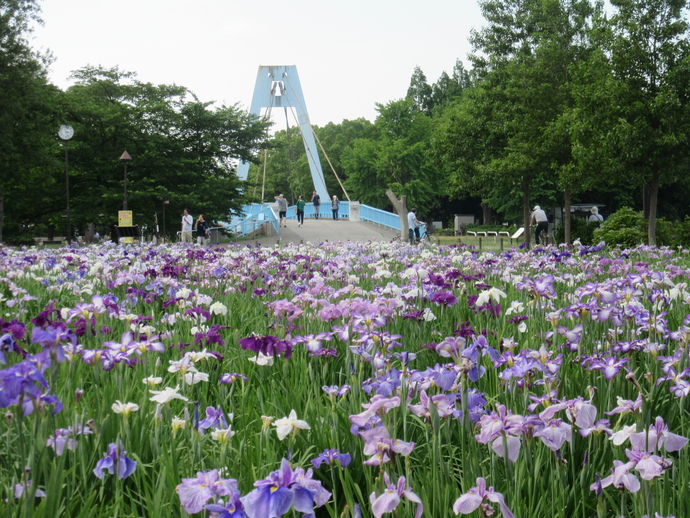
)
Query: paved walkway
[{"x": 320, "y": 230}]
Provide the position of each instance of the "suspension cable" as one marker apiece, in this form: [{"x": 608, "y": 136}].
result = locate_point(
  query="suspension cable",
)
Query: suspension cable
[{"x": 317, "y": 140}]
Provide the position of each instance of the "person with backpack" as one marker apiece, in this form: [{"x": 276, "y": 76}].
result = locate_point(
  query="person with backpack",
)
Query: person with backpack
[{"x": 316, "y": 201}]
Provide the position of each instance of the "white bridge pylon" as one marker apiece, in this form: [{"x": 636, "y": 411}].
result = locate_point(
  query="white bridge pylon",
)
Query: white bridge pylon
[{"x": 279, "y": 87}]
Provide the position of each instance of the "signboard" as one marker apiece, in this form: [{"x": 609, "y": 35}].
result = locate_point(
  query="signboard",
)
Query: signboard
[
  {"x": 124, "y": 218},
  {"x": 519, "y": 232}
]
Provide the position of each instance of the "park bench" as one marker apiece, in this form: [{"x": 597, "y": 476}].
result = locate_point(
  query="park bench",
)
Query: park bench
[{"x": 44, "y": 240}]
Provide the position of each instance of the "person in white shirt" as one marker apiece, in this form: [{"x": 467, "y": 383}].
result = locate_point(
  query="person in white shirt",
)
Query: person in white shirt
[
  {"x": 413, "y": 225},
  {"x": 187, "y": 221},
  {"x": 595, "y": 217},
  {"x": 540, "y": 222}
]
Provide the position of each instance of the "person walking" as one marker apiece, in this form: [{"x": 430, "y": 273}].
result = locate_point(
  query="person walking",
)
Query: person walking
[
  {"x": 300, "y": 211},
  {"x": 202, "y": 230},
  {"x": 540, "y": 222},
  {"x": 282, "y": 210},
  {"x": 316, "y": 201},
  {"x": 335, "y": 206},
  {"x": 186, "y": 230}
]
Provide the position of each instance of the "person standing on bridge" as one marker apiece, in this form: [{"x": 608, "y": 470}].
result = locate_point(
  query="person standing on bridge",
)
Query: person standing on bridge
[
  {"x": 282, "y": 210},
  {"x": 316, "y": 201},
  {"x": 300, "y": 211},
  {"x": 335, "y": 205}
]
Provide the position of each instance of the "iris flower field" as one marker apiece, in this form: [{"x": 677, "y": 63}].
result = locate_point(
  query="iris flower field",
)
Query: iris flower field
[{"x": 344, "y": 380}]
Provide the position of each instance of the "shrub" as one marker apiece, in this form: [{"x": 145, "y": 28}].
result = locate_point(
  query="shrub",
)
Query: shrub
[
  {"x": 625, "y": 228},
  {"x": 579, "y": 229}
]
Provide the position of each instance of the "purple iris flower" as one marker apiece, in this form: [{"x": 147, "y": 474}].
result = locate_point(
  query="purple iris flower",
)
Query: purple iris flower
[
  {"x": 195, "y": 492},
  {"x": 620, "y": 477},
  {"x": 390, "y": 498},
  {"x": 330, "y": 456},
  {"x": 21, "y": 379},
  {"x": 267, "y": 345},
  {"x": 282, "y": 489},
  {"x": 115, "y": 460},
  {"x": 475, "y": 497},
  {"x": 452, "y": 348},
  {"x": 335, "y": 390},
  {"x": 609, "y": 365},
  {"x": 444, "y": 298},
  {"x": 7, "y": 344},
  {"x": 231, "y": 377},
  {"x": 554, "y": 434},
  {"x": 40, "y": 403},
  {"x": 232, "y": 509},
  {"x": 52, "y": 339},
  {"x": 215, "y": 418},
  {"x": 383, "y": 385},
  {"x": 626, "y": 406},
  {"x": 658, "y": 437}
]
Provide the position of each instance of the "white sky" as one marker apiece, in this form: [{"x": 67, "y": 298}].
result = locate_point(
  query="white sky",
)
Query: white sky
[{"x": 350, "y": 54}]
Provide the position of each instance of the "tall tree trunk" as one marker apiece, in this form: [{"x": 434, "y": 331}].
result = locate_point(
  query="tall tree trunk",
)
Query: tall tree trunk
[
  {"x": 646, "y": 200},
  {"x": 486, "y": 213},
  {"x": 526, "y": 212},
  {"x": 566, "y": 216},
  {"x": 653, "y": 194},
  {"x": 400, "y": 206},
  {"x": 2, "y": 212}
]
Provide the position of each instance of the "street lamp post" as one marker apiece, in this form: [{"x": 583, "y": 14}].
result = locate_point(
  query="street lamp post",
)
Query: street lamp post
[
  {"x": 65, "y": 133},
  {"x": 125, "y": 158},
  {"x": 164, "y": 202}
]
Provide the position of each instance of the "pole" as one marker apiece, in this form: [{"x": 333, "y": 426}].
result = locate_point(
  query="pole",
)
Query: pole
[
  {"x": 124, "y": 205},
  {"x": 69, "y": 222}
]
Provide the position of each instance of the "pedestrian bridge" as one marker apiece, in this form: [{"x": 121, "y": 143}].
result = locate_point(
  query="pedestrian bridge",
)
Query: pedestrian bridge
[{"x": 356, "y": 222}]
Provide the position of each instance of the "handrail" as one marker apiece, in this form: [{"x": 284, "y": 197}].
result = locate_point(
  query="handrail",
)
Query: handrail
[
  {"x": 379, "y": 217},
  {"x": 257, "y": 214}
]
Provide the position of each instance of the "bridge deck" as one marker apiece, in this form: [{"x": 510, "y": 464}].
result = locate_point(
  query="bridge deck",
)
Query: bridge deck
[{"x": 322, "y": 229}]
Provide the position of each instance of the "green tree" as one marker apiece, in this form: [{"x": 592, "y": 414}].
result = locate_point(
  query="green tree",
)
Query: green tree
[
  {"x": 449, "y": 88},
  {"x": 27, "y": 109},
  {"x": 421, "y": 92},
  {"x": 399, "y": 159},
  {"x": 287, "y": 169},
  {"x": 632, "y": 100},
  {"x": 510, "y": 120},
  {"x": 183, "y": 150}
]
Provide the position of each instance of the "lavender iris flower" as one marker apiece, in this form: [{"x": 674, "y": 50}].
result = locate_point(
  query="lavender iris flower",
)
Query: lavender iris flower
[
  {"x": 658, "y": 437},
  {"x": 476, "y": 496},
  {"x": 195, "y": 492},
  {"x": 390, "y": 498},
  {"x": 115, "y": 460},
  {"x": 610, "y": 365},
  {"x": 283, "y": 489}
]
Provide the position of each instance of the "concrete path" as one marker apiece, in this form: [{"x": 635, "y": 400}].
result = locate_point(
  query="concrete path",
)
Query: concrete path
[{"x": 320, "y": 230}]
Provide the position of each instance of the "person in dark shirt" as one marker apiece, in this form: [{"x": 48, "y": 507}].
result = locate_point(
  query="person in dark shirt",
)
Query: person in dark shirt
[{"x": 316, "y": 200}]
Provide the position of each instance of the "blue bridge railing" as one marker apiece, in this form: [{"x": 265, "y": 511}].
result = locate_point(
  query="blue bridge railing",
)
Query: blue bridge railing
[
  {"x": 379, "y": 217},
  {"x": 256, "y": 215}
]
